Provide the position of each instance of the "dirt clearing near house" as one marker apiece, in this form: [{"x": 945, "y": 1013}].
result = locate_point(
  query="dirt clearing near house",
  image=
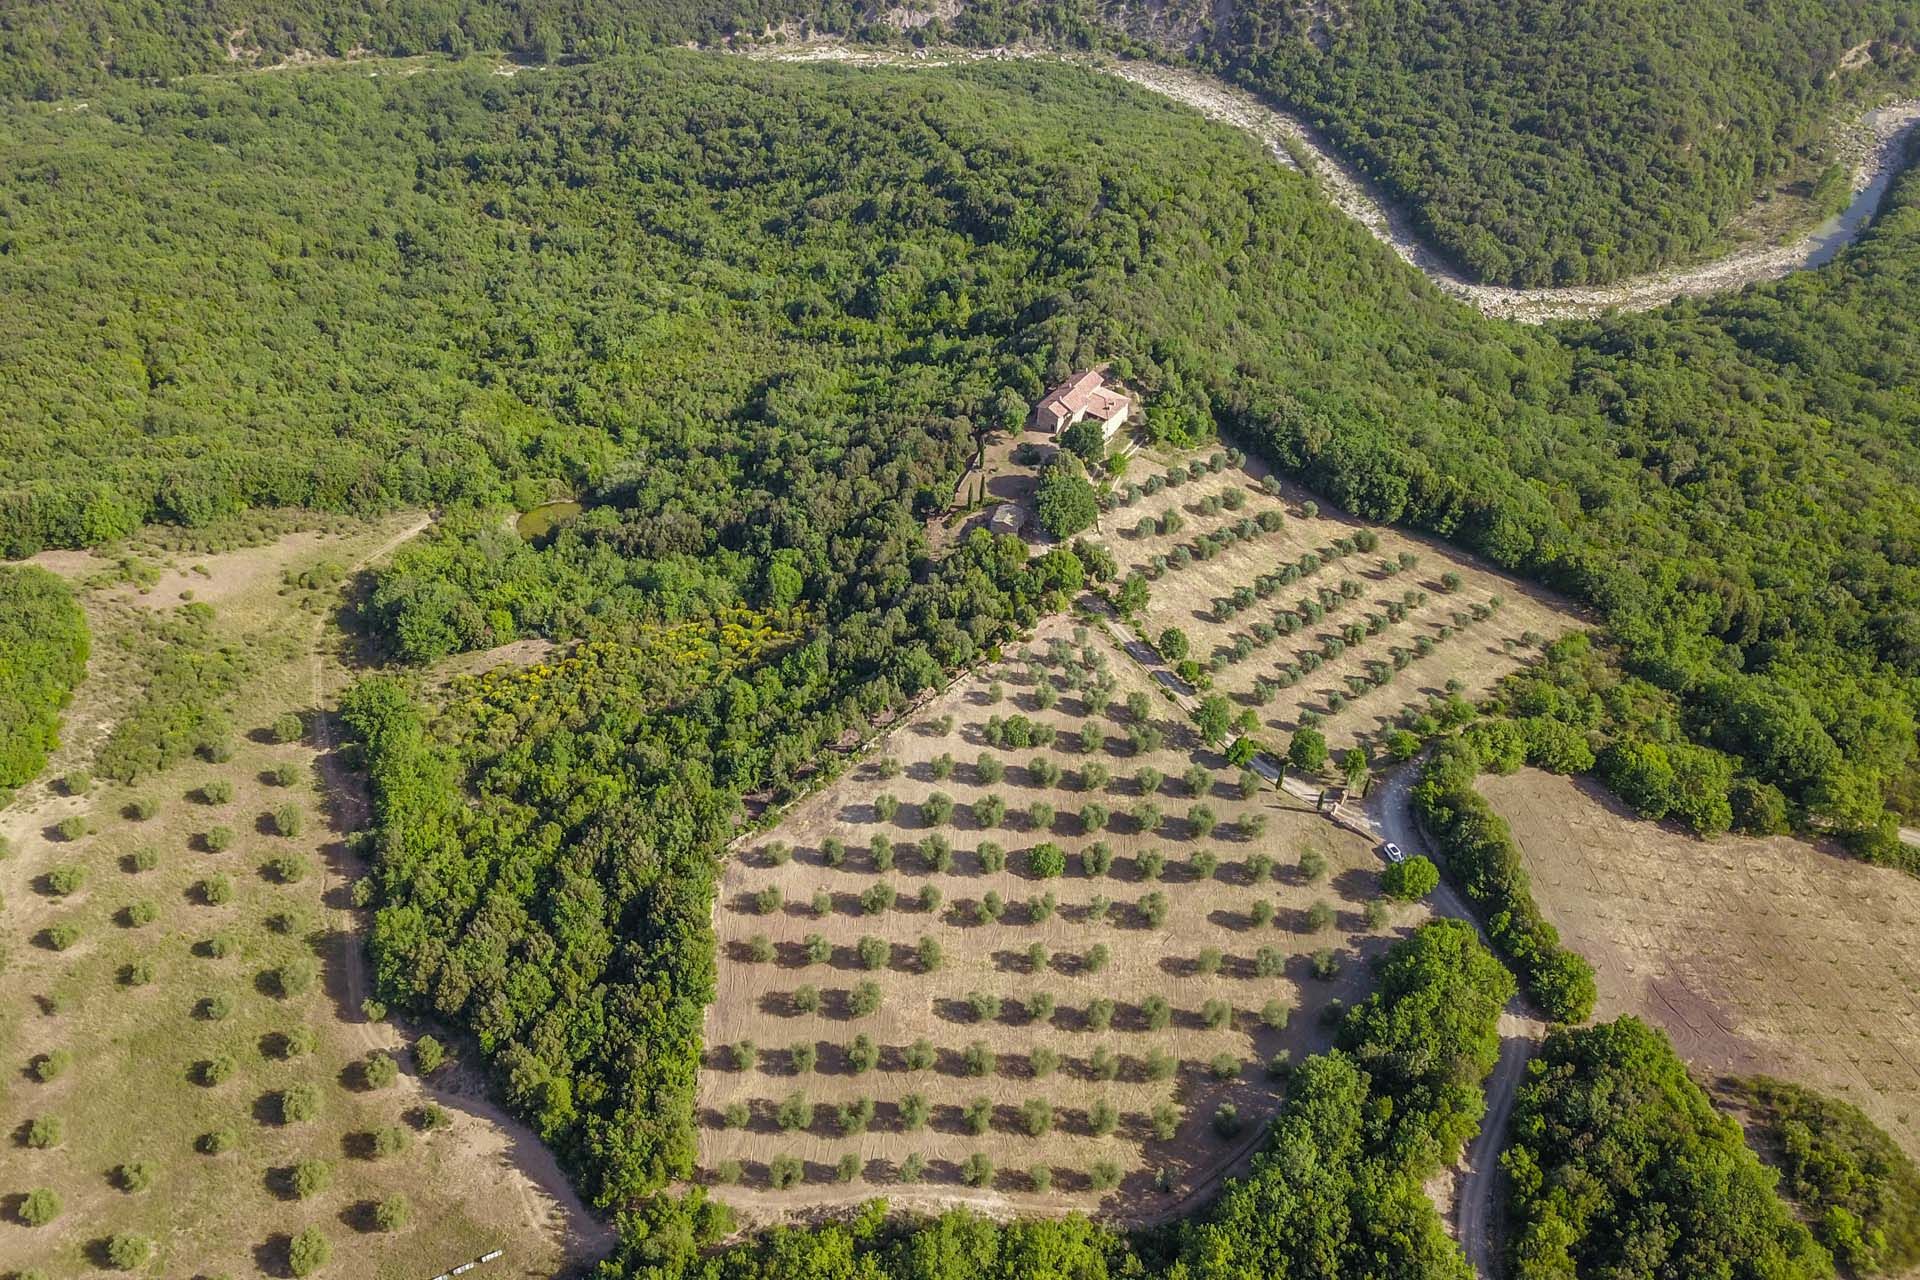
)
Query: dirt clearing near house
[
  {"x": 1291, "y": 607},
  {"x": 1023, "y": 955},
  {"x": 1772, "y": 956}
]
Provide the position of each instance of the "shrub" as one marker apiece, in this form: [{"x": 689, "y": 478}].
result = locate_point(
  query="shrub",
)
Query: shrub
[
  {"x": 141, "y": 808},
  {"x": 1226, "y": 1120},
  {"x": 125, "y": 1251},
  {"x": 768, "y": 900},
  {"x": 45, "y": 1132},
  {"x": 39, "y": 1207},
  {"x": 865, "y": 1000},
  {"x": 393, "y": 1213},
  {"x": 216, "y": 890},
  {"x": 1096, "y": 859},
  {"x": 1040, "y": 815},
  {"x": 308, "y": 1252},
  {"x": 993, "y": 858},
  {"x": 1260, "y": 913},
  {"x": 293, "y": 978},
  {"x": 144, "y": 858},
  {"x": 1224, "y": 1066},
  {"x": 1042, "y": 1062},
  {"x": 1099, "y": 1013},
  {"x": 833, "y": 851},
  {"x": 1103, "y": 1065},
  {"x": 806, "y": 999},
  {"x": 759, "y": 949},
  {"x": 310, "y": 1178},
  {"x": 977, "y": 1116},
  {"x": 73, "y": 828},
  {"x": 1160, "y": 1065},
  {"x": 1151, "y": 865},
  {"x": 795, "y": 1112},
  {"x": 876, "y": 898},
  {"x": 215, "y": 1142},
  {"x": 1102, "y": 1118},
  {"x": 1325, "y": 964},
  {"x": 1410, "y": 880},
  {"x": 1153, "y": 909},
  {"x": 216, "y": 1070},
  {"x": 50, "y": 1066},
  {"x": 977, "y": 1059},
  {"x": 286, "y": 868},
  {"x": 1216, "y": 1014},
  {"x": 885, "y": 807},
  {"x": 65, "y": 880},
  {"x": 1097, "y": 957},
  {"x": 863, "y": 1055},
  {"x": 289, "y": 820},
  {"x": 299, "y": 1103},
  {"x": 1319, "y": 916},
  {"x": 389, "y": 1140},
  {"x": 977, "y": 1171},
  {"x": 1036, "y": 1117},
  {"x": 1157, "y": 1012},
  {"x": 1313, "y": 865},
  {"x": 1208, "y": 962},
  {"x": 283, "y": 775},
  {"x": 379, "y": 1070},
  {"x": 784, "y": 1171},
  {"x": 937, "y": 809},
  {"x": 915, "y": 1111}
]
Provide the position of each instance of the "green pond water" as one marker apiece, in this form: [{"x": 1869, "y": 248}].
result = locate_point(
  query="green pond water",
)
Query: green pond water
[{"x": 544, "y": 519}]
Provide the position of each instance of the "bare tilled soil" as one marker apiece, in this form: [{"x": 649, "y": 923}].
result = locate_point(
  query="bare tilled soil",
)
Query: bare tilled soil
[
  {"x": 1754, "y": 955},
  {"x": 1474, "y": 651},
  {"x": 1256, "y": 923}
]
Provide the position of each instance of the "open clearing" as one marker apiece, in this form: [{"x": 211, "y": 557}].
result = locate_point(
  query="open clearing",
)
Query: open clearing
[
  {"x": 1770, "y": 956},
  {"x": 188, "y": 964},
  {"x": 1345, "y": 605},
  {"x": 1233, "y": 946}
]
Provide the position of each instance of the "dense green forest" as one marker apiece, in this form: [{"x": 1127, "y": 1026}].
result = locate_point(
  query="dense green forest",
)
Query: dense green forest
[
  {"x": 1551, "y": 142},
  {"x": 1536, "y": 142},
  {"x": 1335, "y": 1191},
  {"x": 1852, "y": 1183},
  {"x": 748, "y": 309},
  {"x": 43, "y": 654},
  {"x": 1621, "y": 1167}
]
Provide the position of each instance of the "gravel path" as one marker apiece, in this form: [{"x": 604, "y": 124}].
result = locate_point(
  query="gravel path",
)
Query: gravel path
[{"x": 1878, "y": 144}]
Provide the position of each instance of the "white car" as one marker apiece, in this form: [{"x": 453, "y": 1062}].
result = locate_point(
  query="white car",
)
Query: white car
[{"x": 1392, "y": 851}]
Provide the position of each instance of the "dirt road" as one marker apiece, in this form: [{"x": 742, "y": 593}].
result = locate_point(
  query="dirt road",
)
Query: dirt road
[
  {"x": 1878, "y": 144},
  {"x": 491, "y": 1136},
  {"x": 1476, "y": 1184},
  {"x": 1473, "y": 1188}
]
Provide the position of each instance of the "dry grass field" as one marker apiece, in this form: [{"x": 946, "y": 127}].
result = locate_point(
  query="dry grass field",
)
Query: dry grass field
[
  {"x": 181, "y": 977},
  {"x": 1770, "y": 956},
  {"x": 1359, "y": 625},
  {"x": 908, "y": 940}
]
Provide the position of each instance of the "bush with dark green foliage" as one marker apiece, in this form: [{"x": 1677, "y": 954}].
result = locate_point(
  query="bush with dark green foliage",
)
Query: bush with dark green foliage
[
  {"x": 44, "y": 637},
  {"x": 1484, "y": 862},
  {"x": 1620, "y": 1166},
  {"x": 1852, "y": 1183}
]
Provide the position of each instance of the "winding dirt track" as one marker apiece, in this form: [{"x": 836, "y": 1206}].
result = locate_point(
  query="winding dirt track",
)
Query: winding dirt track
[
  {"x": 1883, "y": 136},
  {"x": 541, "y": 1193}
]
